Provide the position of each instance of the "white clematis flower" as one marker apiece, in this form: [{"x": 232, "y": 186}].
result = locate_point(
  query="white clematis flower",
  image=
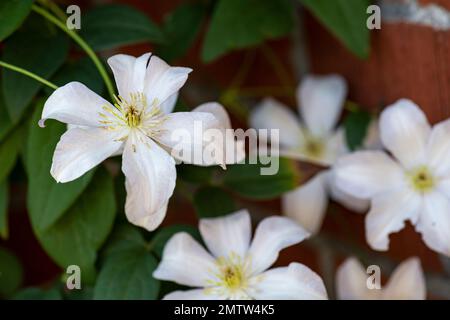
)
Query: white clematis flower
[
  {"x": 407, "y": 282},
  {"x": 320, "y": 101},
  {"x": 236, "y": 267},
  {"x": 139, "y": 125},
  {"x": 413, "y": 184}
]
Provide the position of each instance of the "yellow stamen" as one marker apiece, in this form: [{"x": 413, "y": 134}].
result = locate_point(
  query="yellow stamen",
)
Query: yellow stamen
[{"x": 421, "y": 179}]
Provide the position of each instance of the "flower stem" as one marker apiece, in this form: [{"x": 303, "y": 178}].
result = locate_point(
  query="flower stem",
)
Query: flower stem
[
  {"x": 81, "y": 43},
  {"x": 28, "y": 74}
]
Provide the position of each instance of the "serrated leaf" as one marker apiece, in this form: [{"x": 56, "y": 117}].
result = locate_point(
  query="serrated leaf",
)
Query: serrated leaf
[
  {"x": 4, "y": 209},
  {"x": 77, "y": 236},
  {"x": 38, "y": 49},
  {"x": 159, "y": 241},
  {"x": 212, "y": 202},
  {"x": 47, "y": 200},
  {"x": 110, "y": 26},
  {"x": 12, "y": 14},
  {"x": 238, "y": 24},
  {"x": 11, "y": 273},
  {"x": 347, "y": 20},
  {"x": 181, "y": 27},
  {"x": 248, "y": 181}
]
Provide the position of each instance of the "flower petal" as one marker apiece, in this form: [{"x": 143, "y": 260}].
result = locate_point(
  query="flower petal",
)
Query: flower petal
[
  {"x": 129, "y": 73},
  {"x": 81, "y": 149},
  {"x": 295, "y": 282},
  {"x": 351, "y": 282},
  {"x": 364, "y": 174},
  {"x": 404, "y": 131},
  {"x": 185, "y": 262},
  {"x": 272, "y": 235},
  {"x": 188, "y": 137},
  {"x": 407, "y": 282},
  {"x": 307, "y": 204},
  {"x": 162, "y": 81},
  {"x": 271, "y": 114},
  {"x": 345, "y": 199},
  {"x": 168, "y": 105},
  {"x": 228, "y": 234},
  {"x": 320, "y": 100},
  {"x": 150, "y": 180},
  {"x": 74, "y": 104},
  {"x": 438, "y": 149},
  {"x": 388, "y": 213},
  {"x": 195, "y": 294},
  {"x": 233, "y": 150},
  {"x": 434, "y": 222}
]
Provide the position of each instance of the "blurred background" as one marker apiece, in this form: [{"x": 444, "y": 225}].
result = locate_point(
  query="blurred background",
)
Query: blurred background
[{"x": 408, "y": 57}]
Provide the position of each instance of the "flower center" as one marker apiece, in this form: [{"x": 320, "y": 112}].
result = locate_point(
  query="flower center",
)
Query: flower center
[
  {"x": 421, "y": 179},
  {"x": 133, "y": 112},
  {"x": 230, "y": 278},
  {"x": 313, "y": 148}
]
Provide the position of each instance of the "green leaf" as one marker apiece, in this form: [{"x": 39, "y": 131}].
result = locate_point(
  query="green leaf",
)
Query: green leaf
[
  {"x": 181, "y": 28},
  {"x": 356, "y": 125},
  {"x": 11, "y": 273},
  {"x": 12, "y": 14},
  {"x": 77, "y": 236},
  {"x": 128, "y": 267},
  {"x": 47, "y": 200},
  {"x": 35, "y": 48},
  {"x": 247, "y": 180},
  {"x": 9, "y": 150},
  {"x": 347, "y": 20},
  {"x": 5, "y": 121},
  {"x": 4, "y": 210},
  {"x": 82, "y": 70},
  {"x": 213, "y": 202},
  {"x": 111, "y": 26},
  {"x": 33, "y": 293},
  {"x": 195, "y": 174},
  {"x": 238, "y": 24},
  {"x": 163, "y": 235}
]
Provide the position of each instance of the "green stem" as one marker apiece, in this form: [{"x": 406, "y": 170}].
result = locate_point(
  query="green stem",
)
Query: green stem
[
  {"x": 28, "y": 74},
  {"x": 81, "y": 43}
]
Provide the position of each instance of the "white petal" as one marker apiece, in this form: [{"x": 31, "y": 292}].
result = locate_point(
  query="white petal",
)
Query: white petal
[
  {"x": 233, "y": 150},
  {"x": 434, "y": 222},
  {"x": 187, "y": 136},
  {"x": 150, "y": 180},
  {"x": 228, "y": 234},
  {"x": 407, "y": 282},
  {"x": 307, "y": 204},
  {"x": 345, "y": 199},
  {"x": 320, "y": 100},
  {"x": 336, "y": 146},
  {"x": 168, "y": 105},
  {"x": 271, "y": 114},
  {"x": 404, "y": 131},
  {"x": 185, "y": 262},
  {"x": 387, "y": 215},
  {"x": 74, "y": 104},
  {"x": 218, "y": 111},
  {"x": 438, "y": 149},
  {"x": 195, "y": 294},
  {"x": 351, "y": 282},
  {"x": 295, "y": 282},
  {"x": 272, "y": 235},
  {"x": 364, "y": 174},
  {"x": 129, "y": 73},
  {"x": 81, "y": 149},
  {"x": 162, "y": 81}
]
